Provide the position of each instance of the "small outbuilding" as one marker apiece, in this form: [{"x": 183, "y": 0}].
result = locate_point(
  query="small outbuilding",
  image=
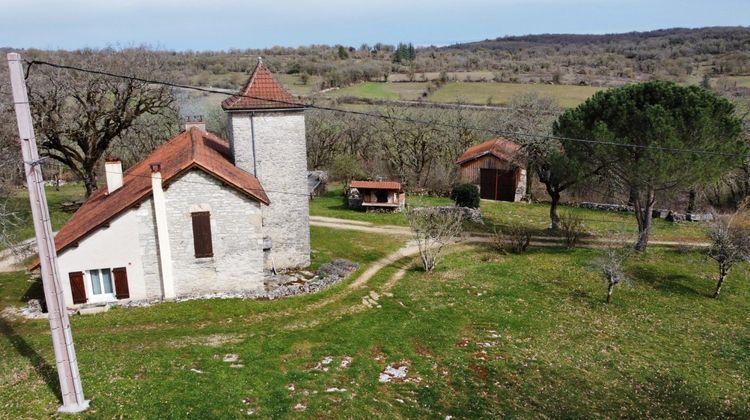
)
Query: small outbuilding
[
  {"x": 376, "y": 195},
  {"x": 497, "y": 167}
]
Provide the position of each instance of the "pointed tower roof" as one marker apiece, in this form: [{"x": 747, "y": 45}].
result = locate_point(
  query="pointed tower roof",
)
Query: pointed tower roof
[{"x": 262, "y": 91}]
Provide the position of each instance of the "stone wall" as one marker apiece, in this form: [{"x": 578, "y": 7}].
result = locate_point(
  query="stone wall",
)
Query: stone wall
[
  {"x": 272, "y": 145},
  {"x": 237, "y": 262}
]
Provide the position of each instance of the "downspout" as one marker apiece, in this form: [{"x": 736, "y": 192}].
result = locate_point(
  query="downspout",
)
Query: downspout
[
  {"x": 252, "y": 140},
  {"x": 162, "y": 233}
]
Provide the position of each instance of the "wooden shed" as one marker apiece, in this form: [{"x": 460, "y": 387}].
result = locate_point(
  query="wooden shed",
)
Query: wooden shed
[
  {"x": 497, "y": 168},
  {"x": 383, "y": 195}
]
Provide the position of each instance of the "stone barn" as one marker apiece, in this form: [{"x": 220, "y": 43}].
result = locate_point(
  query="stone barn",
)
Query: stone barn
[{"x": 497, "y": 168}]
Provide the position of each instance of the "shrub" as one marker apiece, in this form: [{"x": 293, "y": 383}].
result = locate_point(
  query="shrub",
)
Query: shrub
[
  {"x": 611, "y": 265},
  {"x": 466, "y": 195},
  {"x": 514, "y": 238},
  {"x": 433, "y": 230},
  {"x": 571, "y": 229}
]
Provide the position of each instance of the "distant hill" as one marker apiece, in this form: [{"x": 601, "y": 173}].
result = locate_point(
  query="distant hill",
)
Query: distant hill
[{"x": 726, "y": 38}]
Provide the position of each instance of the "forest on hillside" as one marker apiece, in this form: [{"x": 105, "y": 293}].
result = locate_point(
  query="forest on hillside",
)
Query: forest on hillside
[{"x": 598, "y": 60}]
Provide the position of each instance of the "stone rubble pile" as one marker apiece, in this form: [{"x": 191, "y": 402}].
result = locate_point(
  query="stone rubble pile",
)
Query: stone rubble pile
[{"x": 668, "y": 215}]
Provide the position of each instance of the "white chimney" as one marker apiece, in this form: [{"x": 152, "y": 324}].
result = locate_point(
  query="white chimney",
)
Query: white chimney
[
  {"x": 162, "y": 231},
  {"x": 113, "y": 170}
]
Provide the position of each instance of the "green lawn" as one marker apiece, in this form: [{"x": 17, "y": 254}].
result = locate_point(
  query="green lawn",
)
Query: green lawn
[
  {"x": 502, "y": 214},
  {"x": 379, "y": 90},
  {"x": 501, "y": 93},
  {"x": 596, "y": 222},
  {"x": 485, "y": 335},
  {"x": 331, "y": 204}
]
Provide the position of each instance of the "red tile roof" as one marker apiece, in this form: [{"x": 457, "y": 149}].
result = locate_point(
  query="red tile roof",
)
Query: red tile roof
[
  {"x": 501, "y": 148},
  {"x": 376, "y": 185},
  {"x": 261, "y": 91},
  {"x": 188, "y": 150}
]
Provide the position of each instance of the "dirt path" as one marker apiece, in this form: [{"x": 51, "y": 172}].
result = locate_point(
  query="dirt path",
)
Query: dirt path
[{"x": 544, "y": 241}]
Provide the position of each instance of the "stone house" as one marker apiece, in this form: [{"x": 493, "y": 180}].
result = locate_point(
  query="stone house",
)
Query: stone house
[
  {"x": 200, "y": 214},
  {"x": 497, "y": 167}
]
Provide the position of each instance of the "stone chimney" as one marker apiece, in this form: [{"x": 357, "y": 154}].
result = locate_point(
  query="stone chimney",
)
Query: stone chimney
[
  {"x": 195, "y": 121},
  {"x": 113, "y": 170}
]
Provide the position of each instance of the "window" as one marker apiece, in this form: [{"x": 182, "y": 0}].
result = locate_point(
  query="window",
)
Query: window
[
  {"x": 202, "y": 234},
  {"x": 101, "y": 284}
]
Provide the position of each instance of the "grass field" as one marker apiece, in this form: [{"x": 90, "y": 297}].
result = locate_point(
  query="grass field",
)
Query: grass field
[
  {"x": 293, "y": 84},
  {"x": 485, "y": 335},
  {"x": 501, "y": 93},
  {"x": 499, "y": 214},
  {"x": 19, "y": 203},
  {"x": 375, "y": 90},
  {"x": 457, "y": 75}
]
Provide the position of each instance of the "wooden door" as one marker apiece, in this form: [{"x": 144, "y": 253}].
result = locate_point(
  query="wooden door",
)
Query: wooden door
[
  {"x": 77, "y": 289},
  {"x": 487, "y": 183},
  {"x": 506, "y": 181},
  {"x": 122, "y": 290}
]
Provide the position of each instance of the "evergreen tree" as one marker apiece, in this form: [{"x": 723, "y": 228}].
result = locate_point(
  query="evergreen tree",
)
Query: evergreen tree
[{"x": 655, "y": 127}]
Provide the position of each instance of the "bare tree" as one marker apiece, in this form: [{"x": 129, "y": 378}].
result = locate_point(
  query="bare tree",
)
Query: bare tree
[
  {"x": 324, "y": 138},
  {"x": 544, "y": 156},
  {"x": 79, "y": 115},
  {"x": 730, "y": 244},
  {"x": 432, "y": 230},
  {"x": 410, "y": 149},
  {"x": 612, "y": 265}
]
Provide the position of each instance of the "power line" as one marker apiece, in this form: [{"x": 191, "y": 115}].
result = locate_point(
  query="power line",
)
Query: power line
[{"x": 374, "y": 115}]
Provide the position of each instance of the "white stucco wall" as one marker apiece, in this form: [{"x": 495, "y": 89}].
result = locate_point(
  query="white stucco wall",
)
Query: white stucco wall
[
  {"x": 237, "y": 239},
  {"x": 278, "y": 158},
  {"x": 112, "y": 247}
]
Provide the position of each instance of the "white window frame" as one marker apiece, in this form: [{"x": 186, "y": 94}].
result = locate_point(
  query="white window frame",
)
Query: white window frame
[{"x": 103, "y": 296}]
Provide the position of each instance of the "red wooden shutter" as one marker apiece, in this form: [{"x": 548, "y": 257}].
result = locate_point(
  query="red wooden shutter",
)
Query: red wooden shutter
[
  {"x": 77, "y": 289},
  {"x": 121, "y": 283},
  {"x": 202, "y": 235}
]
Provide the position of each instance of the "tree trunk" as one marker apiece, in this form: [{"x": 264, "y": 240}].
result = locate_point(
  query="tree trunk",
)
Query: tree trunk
[
  {"x": 553, "y": 217},
  {"x": 722, "y": 276},
  {"x": 632, "y": 196},
  {"x": 89, "y": 181},
  {"x": 529, "y": 183},
  {"x": 644, "y": 207},
  {"x": 691, "y": 201},
  {"x": 610, "y": 289}
]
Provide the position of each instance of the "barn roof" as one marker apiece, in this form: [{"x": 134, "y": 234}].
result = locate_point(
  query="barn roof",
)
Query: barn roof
[
  {"x": 501, "y": 148},
  {"x": 262, "y": 91},
  {"x": 376, "y": 185},
  {"x": 193, "y": 149}
]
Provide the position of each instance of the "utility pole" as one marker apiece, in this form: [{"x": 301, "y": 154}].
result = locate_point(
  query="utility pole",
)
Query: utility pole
[{"x": 62, "y": 337}]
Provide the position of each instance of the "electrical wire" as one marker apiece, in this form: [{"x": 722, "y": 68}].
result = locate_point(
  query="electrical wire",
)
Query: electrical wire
[{"x": 375, "y": 115}]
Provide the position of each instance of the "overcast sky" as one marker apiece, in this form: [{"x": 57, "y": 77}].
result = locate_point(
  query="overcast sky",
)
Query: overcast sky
[{"x": 224, "y": 24}]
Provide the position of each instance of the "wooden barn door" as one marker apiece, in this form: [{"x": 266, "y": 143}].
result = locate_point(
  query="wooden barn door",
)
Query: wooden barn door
[
  {"x": 488, "y": 183},
  {"x": 506, "y": 185},
  {"x": 496, "y": 184}
]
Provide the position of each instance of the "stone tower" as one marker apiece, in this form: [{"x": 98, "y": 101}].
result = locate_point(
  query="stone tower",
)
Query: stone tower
[{"x": 267, "y": 136}]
